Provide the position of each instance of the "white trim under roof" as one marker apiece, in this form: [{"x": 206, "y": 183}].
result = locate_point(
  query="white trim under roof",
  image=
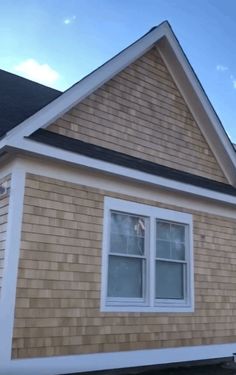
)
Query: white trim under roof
[
  {"x": 32, "y": 147},
  {"x": 183, "y": 75}
]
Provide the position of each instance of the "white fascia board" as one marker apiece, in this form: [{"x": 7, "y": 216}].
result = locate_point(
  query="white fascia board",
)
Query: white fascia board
[
  {"x": 199, "y": 104},
  {"x": 86, "y": 86},
  {"x": 37, "y": 148}
]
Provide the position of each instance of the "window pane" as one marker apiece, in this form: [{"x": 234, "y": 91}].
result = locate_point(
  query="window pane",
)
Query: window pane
[
  {"x": 127, "y": 234},
  {"x": 136, "y": 245},
  {"x": 118, "y": 244},
  {"x": 127, "y": 224},
  {"x": 178, "y": 251},
  {"x": 119, "y": 223},
  {"x": 163, "y": 230},
  {"x": 177, "y": 232},
  {"x": 125, "y": 277},
  {"x": 169, "y": 280},
  {"x": 136, "y": 226},
  {"x": 163, "y": 249}
]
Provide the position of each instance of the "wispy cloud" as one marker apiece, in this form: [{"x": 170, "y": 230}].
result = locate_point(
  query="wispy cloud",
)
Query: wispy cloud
[
  {"x": 35, "y": 71},
  {"x": 69, "y": 20},
  {"x": 221, "y": 68},
  {"x": 233, "y": 80}
]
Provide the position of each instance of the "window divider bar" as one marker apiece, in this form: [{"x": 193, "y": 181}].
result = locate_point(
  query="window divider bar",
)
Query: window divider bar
[
  {"x": 152, "y": 263},
  {"x": 172, "y": 260}
]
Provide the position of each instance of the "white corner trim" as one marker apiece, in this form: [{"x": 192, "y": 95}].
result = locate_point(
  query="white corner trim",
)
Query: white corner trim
[
  {"x": 115, "y": 360},
  {"x": 12, "y": 248},
  {"x": 109, "y": 168}
]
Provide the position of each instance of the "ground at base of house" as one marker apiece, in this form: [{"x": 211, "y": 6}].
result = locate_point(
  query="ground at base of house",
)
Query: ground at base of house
[
  {"x": 195, "y": 370},
  {"x": 228, "y": 368}
]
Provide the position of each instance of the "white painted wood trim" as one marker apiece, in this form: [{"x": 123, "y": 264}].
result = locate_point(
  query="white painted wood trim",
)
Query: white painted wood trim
[
  {"x": 12, "y": 249},
  {"x": 196, "y": 86},
  {"x": 199, "y": 105},
  {"x": 86, "y": 86},
  {"x": 90, "y": 362},
  {"x": 130, "y": 187},
  {"x": 149, "y": 304},
  {"x": 116, "y": 360},
  {"x": 212, "y": 129},
  {"x": 67, "y": 156}
]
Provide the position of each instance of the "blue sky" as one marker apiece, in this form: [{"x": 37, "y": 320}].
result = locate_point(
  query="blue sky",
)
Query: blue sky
[{"x": 60, "y": 41}]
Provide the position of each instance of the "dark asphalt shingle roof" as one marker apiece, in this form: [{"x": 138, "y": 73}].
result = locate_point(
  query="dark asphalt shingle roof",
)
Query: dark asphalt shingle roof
[
  {"x": 20, "y": 98},
  {"x": 118, "y": 158}
]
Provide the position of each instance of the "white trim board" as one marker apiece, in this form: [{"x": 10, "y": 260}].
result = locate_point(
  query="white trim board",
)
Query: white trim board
[
  {"x": 199, "y": 104},
  {"x": 37, "y": 148},
  {"x": 87, "y": 85},
  {"x": 183, "y": 74},
  {"x": 58, "y": 365},
  {"x": 116, "y": 360},
  {"x": 149, "y": 303},
  {"x": 128, "y": 187},
  {"x": 11, "y": 256}
]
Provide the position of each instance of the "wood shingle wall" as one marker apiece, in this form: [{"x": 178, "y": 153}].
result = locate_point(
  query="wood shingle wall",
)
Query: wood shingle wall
[
  {"x": 59, "y": 279},
  {"x": 4, "y": 203},
  {"x": 140, "y": 112}
]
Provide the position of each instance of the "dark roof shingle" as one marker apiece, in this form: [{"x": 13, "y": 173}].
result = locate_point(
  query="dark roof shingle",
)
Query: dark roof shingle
[
  {"x": 117, "y": 158},
  {"x": 20, "y": 98}
]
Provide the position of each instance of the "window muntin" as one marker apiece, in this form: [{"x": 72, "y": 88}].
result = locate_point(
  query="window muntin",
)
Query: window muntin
[{"x": 147, "y": 258}]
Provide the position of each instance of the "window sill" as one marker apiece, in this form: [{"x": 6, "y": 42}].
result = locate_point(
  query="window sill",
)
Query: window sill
[{"x": 148, "y": 309}]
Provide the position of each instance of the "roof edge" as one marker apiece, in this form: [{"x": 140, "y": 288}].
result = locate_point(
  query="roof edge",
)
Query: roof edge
[
  {"x": 101, "y": 153},
  {"x": 214, "y": 133},
  {"x": 88, "y": 84}
]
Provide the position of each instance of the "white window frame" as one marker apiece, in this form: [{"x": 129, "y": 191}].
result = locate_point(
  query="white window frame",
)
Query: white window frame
[{"x": 148, "y": 304}]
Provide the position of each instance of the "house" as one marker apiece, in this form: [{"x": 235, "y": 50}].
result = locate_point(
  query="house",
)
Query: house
[{"x": 117, "y": 218}]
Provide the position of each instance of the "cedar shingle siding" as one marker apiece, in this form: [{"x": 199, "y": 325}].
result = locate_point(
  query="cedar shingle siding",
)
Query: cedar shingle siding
[
  {"x": 140, "y": 112},
  {"x": 59, "y": 280}
]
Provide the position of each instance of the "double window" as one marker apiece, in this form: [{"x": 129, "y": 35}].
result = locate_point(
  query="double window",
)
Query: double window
[{"x": 147, "y": 258}]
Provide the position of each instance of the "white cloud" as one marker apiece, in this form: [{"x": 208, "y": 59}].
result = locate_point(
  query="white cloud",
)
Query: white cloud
[
  {"x": 233, "y": 80},
  {"x": 221, "y": 68},
  {"x": 35, "y": 71},
  {"x": 69, "y": 20}
]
